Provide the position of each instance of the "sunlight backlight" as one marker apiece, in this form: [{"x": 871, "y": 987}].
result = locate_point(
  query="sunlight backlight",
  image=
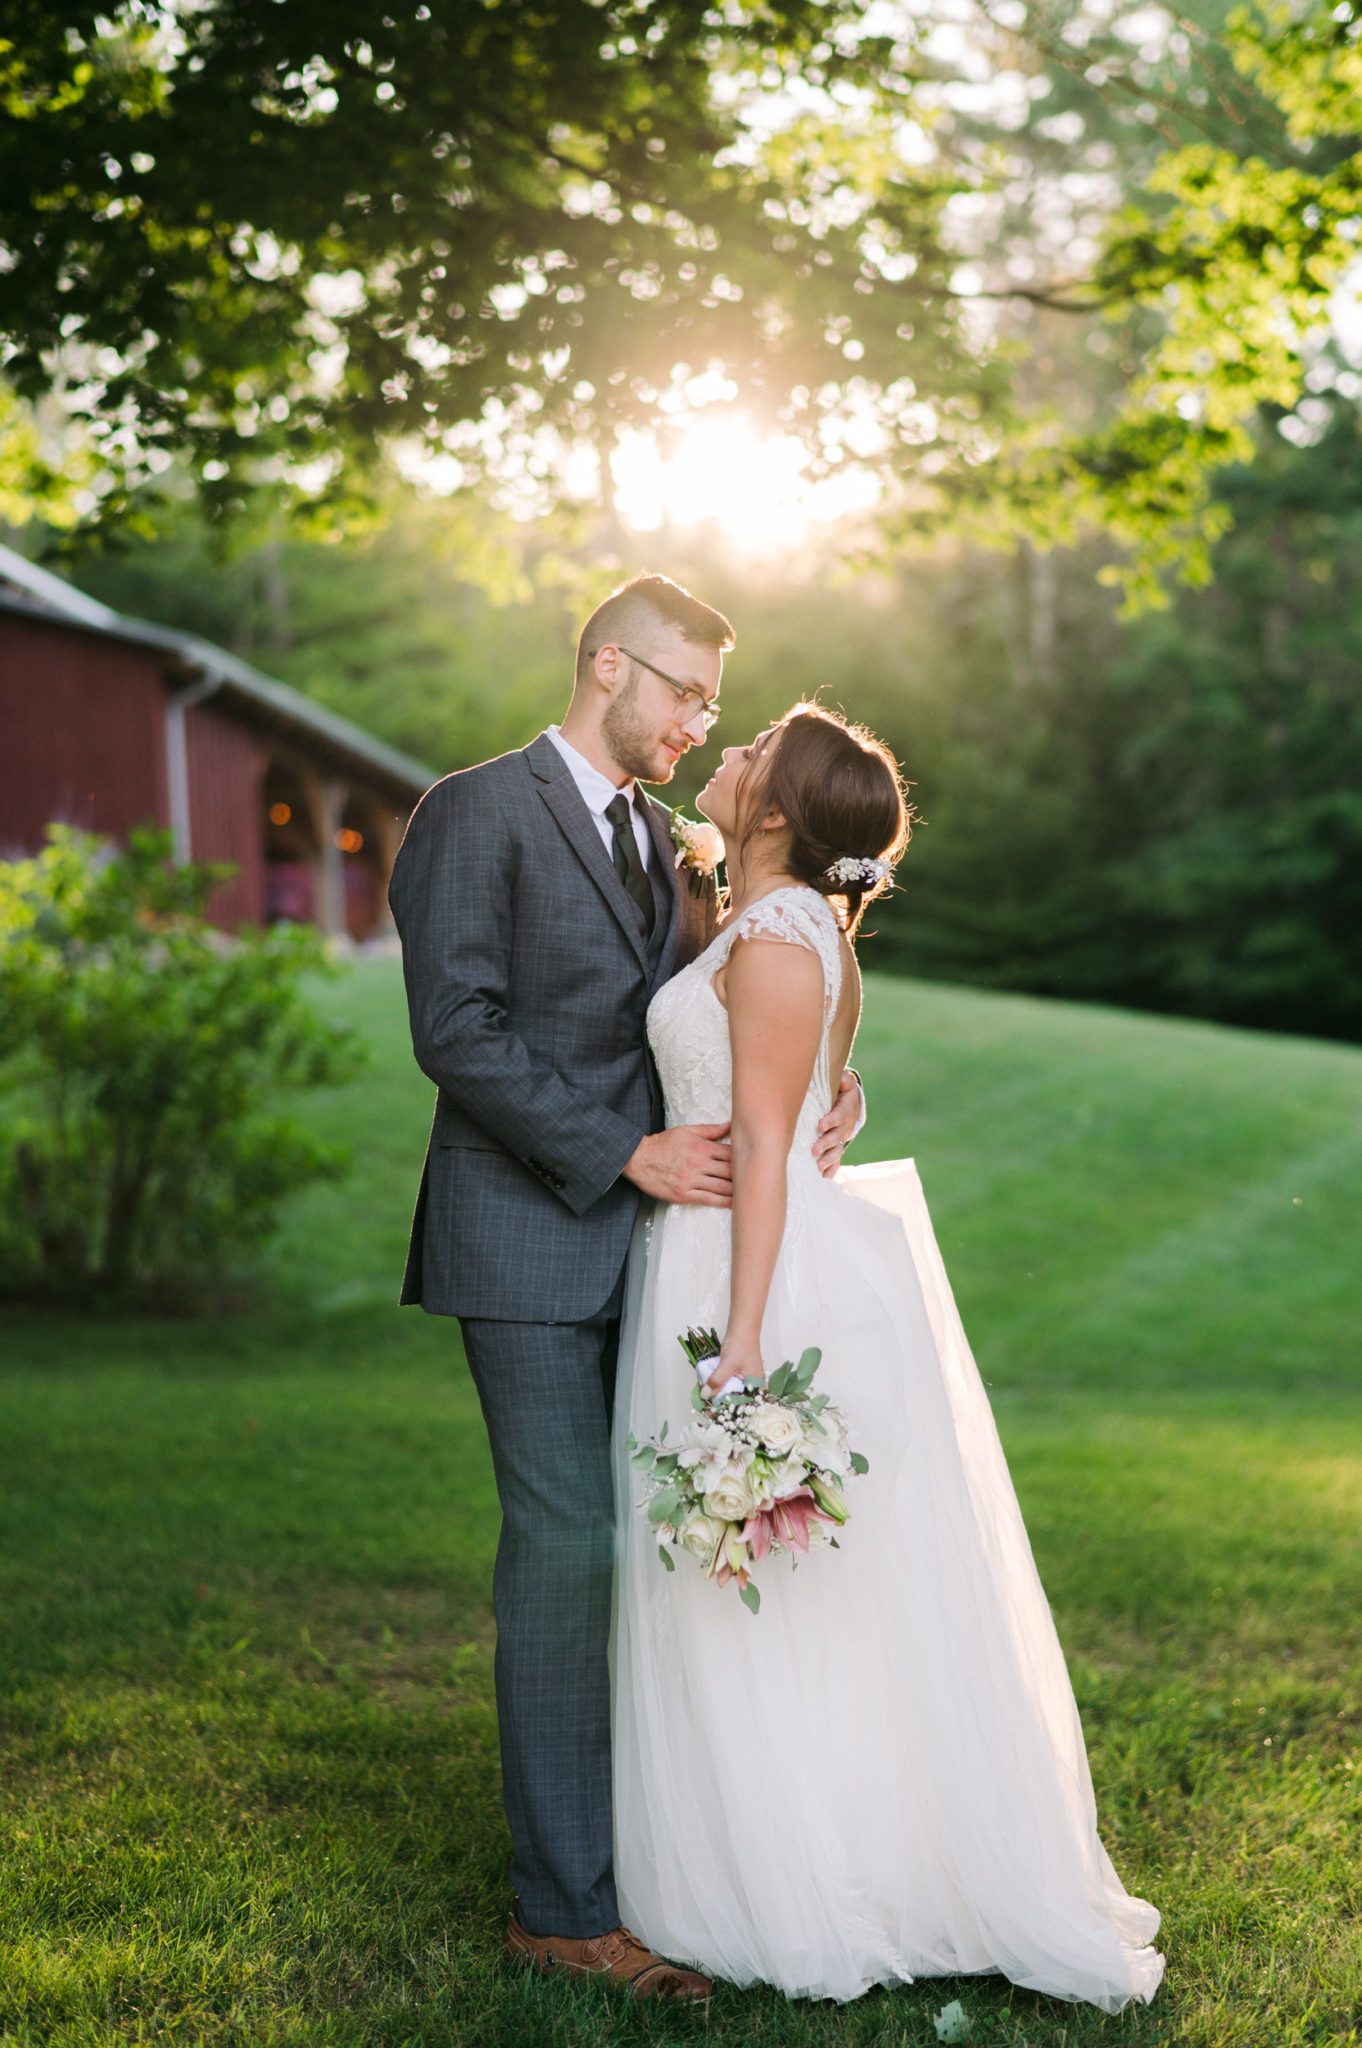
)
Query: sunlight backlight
[{"x": 752, "y": 488}]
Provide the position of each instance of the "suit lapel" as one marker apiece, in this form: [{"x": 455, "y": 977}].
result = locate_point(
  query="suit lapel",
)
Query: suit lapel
[{"x": 564, "y": 799}]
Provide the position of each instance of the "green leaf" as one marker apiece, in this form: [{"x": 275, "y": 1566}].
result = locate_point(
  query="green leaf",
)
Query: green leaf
[
  {"x": 662, "y": 1434},
  {"x": 663, "y": 1504},
  {"x": 779, "y": 1381},
  {"x": 697, "y": 1399},
  {"x": 749, "y": 1596},
  {"x": 666, "y": 1557},
  {"x": 859, "y": 1462},
  {"x": 806, "y": 1368}
]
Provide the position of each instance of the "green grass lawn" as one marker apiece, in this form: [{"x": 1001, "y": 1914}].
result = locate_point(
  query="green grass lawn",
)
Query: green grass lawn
[{"x": 250, "y": 1786}]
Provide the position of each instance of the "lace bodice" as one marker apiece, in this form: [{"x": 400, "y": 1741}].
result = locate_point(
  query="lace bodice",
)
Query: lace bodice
[{"x": 688, "y": 1025}]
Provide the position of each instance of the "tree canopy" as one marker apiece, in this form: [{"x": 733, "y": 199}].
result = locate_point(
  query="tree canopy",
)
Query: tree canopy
[
  {"x": 1163, "y": 811},
  {"x": 273, "y": 238}
]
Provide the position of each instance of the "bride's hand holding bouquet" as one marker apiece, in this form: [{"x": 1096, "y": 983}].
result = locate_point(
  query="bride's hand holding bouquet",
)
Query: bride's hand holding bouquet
[{"x": 739, "y": 1358}]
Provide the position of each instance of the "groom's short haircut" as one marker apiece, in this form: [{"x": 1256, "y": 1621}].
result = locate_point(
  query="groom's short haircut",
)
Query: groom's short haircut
[{"x": 646, "y": 601}]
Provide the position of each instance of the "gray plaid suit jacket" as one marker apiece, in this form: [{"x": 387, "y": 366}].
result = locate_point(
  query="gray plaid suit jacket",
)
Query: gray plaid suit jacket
[{"x": 528, "y": 981}]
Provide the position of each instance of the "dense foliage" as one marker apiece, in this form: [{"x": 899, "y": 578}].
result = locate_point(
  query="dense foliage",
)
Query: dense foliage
[
  {"x": 139, "y": 1050},
  {"x": 274, "y": 240}
]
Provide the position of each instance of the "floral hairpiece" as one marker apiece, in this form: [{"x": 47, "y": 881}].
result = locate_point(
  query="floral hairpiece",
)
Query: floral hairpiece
[{"x": 850, "y": 868}]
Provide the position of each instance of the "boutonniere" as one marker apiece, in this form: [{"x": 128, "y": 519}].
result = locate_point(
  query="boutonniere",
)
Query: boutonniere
[{"x": 699, "y": 849}]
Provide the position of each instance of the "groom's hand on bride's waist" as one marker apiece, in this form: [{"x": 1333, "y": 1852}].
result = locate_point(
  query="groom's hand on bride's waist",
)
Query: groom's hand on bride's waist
[
  {"x": 840, "y": 1125},
  {"x": 691, "y": 1163}
]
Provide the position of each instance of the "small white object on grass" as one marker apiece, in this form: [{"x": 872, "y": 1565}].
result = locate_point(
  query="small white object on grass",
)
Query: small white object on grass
[{"x": 952, "y": 2022}]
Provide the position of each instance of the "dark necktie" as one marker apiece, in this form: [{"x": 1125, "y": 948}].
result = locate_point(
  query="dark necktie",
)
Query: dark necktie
[{"x": 628, "y": 860}]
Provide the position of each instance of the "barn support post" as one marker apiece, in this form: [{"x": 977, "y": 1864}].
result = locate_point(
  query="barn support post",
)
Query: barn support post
[
  {"x": 178, "y": 704},
  {"x": 388, "y": 831},
  {"x": 331, "y": 796}
]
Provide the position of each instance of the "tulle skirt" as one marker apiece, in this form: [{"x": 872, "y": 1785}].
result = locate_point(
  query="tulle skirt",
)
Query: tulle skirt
[{"x": 881, "y": 1775}]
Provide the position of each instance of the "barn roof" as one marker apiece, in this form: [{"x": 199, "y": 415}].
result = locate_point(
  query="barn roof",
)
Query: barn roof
[{"x": 36, "y": 593}]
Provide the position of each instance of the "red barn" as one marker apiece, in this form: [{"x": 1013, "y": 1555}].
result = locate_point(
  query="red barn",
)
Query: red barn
[{"x": 109, "y": 723}]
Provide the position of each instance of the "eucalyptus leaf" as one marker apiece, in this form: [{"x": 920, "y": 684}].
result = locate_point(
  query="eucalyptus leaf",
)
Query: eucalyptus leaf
[
  {"x": 666, "y": 1557},
  {"x": 859, "y": 1462},
  {"x": 750, "y": 1597}
]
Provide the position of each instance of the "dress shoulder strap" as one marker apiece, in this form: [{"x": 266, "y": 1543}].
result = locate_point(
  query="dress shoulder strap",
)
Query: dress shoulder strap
[{"x": 800, "y": 917}]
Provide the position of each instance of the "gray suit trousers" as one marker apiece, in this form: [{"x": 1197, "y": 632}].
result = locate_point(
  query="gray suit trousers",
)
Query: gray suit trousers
[{"x": 547, "y": 1391}]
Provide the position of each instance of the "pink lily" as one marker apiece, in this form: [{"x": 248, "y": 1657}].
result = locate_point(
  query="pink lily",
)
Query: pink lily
[
  {"x": 791, "y": 1518},
  {"x": 730, "y": 1558}
]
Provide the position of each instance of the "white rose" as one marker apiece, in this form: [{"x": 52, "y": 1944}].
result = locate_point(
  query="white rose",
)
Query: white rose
[
  {"x": 777, "y": 1429},
  {"x": 732, "y": 1499},
  {"x": 699, "y": 1534}
]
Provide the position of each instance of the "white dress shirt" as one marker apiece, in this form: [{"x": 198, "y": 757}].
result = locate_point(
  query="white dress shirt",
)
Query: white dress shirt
[{"x": 597, "y": 791}]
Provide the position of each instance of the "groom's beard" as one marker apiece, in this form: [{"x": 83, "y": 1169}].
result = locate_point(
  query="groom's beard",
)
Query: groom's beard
[{"x": 633, "y": 745}]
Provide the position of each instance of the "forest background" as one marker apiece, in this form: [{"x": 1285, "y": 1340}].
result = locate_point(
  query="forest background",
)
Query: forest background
[{"x": 1102, "y": 589}]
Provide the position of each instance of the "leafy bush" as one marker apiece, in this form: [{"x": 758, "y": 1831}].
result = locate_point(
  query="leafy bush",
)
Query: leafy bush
[{"x": 140, "y": 1051}]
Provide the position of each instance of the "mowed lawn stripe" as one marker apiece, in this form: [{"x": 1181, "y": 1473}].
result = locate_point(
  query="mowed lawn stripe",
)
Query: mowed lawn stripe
[{"x": 248, "y": 1786}]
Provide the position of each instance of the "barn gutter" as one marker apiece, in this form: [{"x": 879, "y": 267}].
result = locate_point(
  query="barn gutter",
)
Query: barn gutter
[{"x": 179, "y": 703}]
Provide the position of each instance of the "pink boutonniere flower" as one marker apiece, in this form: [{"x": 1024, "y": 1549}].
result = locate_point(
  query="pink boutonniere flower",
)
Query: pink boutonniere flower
[{"x": 699, "y": 848}]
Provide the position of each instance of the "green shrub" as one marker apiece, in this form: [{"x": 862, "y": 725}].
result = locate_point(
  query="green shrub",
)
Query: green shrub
[{"x": 144, "y": 1059}]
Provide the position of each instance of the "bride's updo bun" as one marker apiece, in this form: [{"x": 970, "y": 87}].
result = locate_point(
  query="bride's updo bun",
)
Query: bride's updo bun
[{"x": 840, "y": 792}]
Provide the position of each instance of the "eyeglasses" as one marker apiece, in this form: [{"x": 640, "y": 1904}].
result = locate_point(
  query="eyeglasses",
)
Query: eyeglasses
[{"x": 686, "y": 693}]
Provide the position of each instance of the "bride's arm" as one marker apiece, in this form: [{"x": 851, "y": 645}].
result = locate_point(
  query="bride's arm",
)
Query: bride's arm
[{"x": 774, "y": 995}]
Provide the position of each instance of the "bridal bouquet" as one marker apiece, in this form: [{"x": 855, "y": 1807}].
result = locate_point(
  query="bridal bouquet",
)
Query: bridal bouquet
[{"x": 760, "y": 1472}]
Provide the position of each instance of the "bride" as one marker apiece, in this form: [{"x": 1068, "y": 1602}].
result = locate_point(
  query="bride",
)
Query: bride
[{"x": 881, "y": 1775}]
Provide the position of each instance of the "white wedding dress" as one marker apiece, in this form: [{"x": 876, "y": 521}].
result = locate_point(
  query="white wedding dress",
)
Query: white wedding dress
[{"x": 881, "y": 1775}]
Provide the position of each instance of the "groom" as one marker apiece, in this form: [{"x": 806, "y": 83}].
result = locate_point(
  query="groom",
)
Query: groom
[{"x": 540, "y": 908}]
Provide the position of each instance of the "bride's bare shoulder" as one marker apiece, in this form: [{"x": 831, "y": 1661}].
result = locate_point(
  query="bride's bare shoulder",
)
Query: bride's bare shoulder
[{"x": 780, "y": 929}]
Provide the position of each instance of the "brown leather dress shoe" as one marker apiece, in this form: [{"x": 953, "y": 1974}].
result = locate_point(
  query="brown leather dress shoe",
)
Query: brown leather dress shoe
[{"x": 618, "y": 1954}]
